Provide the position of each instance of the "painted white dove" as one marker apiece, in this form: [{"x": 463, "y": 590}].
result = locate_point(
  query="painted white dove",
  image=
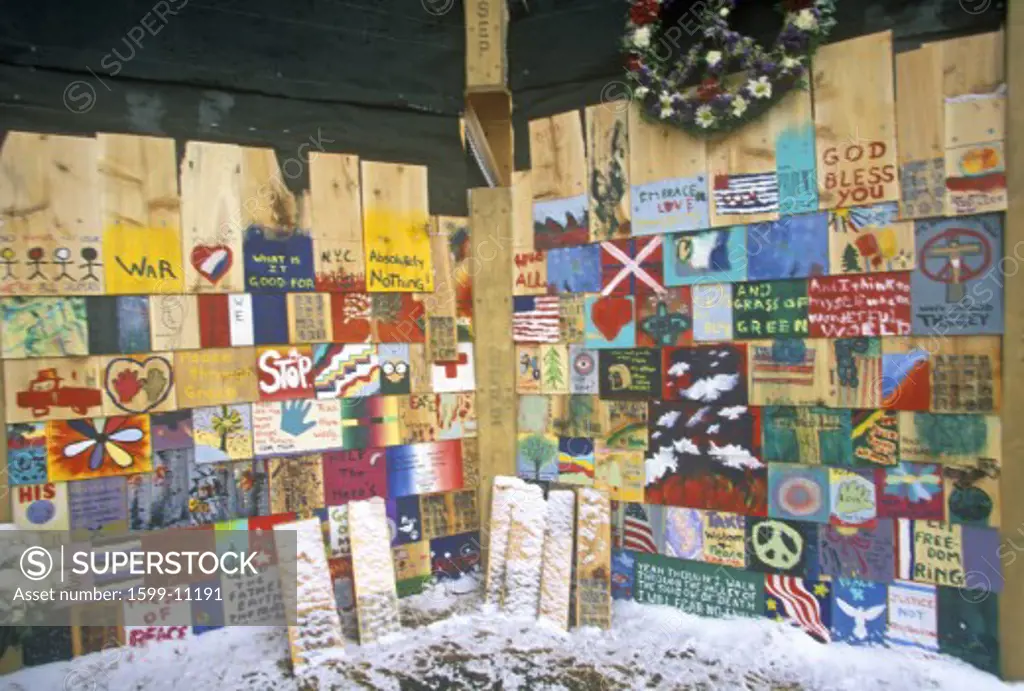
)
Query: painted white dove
[{"x": 860, "y": 616}]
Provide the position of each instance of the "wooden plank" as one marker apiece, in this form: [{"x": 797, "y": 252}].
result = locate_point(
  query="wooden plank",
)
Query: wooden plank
[
  {"x": 51, "y": 238},
  {"x": 491, "y": 222},
  {"x": 498, "y": 531},
  {"x": 1011, "y": 600},
  {"x": 396, "y": 228},
  {"x": 530, "y": 274},
  {"x": 373, "y": 570},
  {"x": 141, "y": 215},
  {"x": 975, "y": 154},
  {"x": 855, "y": 122},
  {"x": 525, "y": 552},
  {"x": 314, "y": 635},
  {"x": 215, "y": 376},
  {"x": 920, "y": 122},
  {"x": 608, "y": 149},
  {"x": 211, "y": 218},
  {"x": 337, "y": 222},
  {"x": 556, "y": 573},
  {"x": 558, "y": 157},
  {"x": 486, "y": 31},
  {"x": 666, "y": 164},
  {"x": 973, "y": 64},
  {"x": 522, "y": 202},
  {"x": 442, "y": 328},
  {"x": 593, "y": 558}
]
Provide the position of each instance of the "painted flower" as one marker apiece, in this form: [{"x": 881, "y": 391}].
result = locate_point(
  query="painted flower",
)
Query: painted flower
[
  {"x": 760, "y": 87},
  {"x": 916, "y": 482},
  {"x": 790, "y": 63},
  {"x": 705, "y": 117},
  {"x": 113, "y": 441},
  {"x": 642, "y": 37},
  {"x": 739, "y": 106},
  {"x": 666, "y": 105},
  {"x": 713, "y": 57},
  {"x": 806, "y": 21}
]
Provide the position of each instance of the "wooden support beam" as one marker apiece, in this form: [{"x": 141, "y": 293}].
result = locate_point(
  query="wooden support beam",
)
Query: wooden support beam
[
  {"x": 491, "y": 237},
  {"x": 497, "y": 172},
  {"x": 486, "y": 33},
  {"x": 1011, "y": 602},
  {"x": 488, "y": 116}
]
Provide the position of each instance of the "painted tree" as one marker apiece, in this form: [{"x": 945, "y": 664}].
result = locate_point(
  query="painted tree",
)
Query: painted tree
[
  {"x": 851, "y": 261},
  {"x": 538, "y": 450},
  {"x": 227, "y": 423},
  {"x": 554, "y": 370}
]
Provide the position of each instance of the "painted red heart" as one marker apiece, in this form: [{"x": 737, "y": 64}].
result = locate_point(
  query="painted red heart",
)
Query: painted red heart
[
  {"x": 610, "y": 314},
  {"x": 212, "y": 261}
]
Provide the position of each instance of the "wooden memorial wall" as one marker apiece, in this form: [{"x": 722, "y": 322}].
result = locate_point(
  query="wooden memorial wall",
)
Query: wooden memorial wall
[
  {"x": 780, "y": 351},
  {"x": 192, "y": 344}
]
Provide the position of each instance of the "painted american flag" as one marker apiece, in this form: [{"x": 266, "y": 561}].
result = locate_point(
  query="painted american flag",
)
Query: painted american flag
[
  {"x": 535, "y": 319},
  {"x": 637, "y": 534},
  {"x": 767, "y": 368},
  {"x": 799, "y": 604},
  {"x": 752, "y": 193}
]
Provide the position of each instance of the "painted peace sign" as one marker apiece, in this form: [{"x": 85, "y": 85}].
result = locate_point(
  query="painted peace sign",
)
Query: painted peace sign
[
  {"x": 951, "y": 251},
  {"x": 777, "y": 545}
]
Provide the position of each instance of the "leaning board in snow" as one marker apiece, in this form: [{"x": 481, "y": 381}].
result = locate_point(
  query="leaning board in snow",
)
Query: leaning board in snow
[
  {"x": 556, "y": 573},
  {"x": 372, "y": 569},
  {"x": 525, "y": 551},
  {"x": 315, "y": 637},
  {"x": 593, "y": 558},
  {"x": 501, "y": 518}
]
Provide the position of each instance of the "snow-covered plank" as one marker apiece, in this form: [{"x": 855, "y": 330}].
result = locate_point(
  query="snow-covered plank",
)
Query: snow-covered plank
[
  {"x": 315, "y": 638},
  {"x": 373, "y": 570},
  {"x": 525, "y": 550},
  {"x": 501, "y": 519},
  {"x": 593, "y": 558},
  {"x": 556, "y": 572}
]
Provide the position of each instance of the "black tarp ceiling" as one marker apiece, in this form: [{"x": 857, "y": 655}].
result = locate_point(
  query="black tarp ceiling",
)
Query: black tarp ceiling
[{"x": 382, "y": 78}]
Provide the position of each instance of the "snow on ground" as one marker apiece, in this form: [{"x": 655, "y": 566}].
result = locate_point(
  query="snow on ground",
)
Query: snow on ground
[{"x": 649, "y": 647}]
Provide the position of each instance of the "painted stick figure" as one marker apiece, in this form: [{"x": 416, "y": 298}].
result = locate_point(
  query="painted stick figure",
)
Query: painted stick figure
[
  {"x": 35, "y": 257},
  {"x": 62, "y": 257},
  {"x": 7, "y": 259},
  {"x": 89, "y": 255}
]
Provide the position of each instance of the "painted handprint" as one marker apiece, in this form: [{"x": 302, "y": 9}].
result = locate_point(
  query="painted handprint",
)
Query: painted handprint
[{"x": 293, "y": 417}]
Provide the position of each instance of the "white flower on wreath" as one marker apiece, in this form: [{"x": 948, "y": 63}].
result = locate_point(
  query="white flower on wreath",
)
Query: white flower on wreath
[
  {"x": 806, "y": 21},
  {"x": 714, "y": 57},
  {"x": 666, "y": 105},
  {"x": 739, "y": 106},
  {"x": 705, "y": 118},
  {"x": 790, "y": 63},
  {"x": 760, "y": 87},
  {"x": 724, "y": 12},
  {"x": 642, "y": 37},
  {"x": 640, "y": 91}
]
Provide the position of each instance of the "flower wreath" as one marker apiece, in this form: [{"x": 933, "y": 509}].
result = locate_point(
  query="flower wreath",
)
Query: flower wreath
[{"x": 660, "y": 85}]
